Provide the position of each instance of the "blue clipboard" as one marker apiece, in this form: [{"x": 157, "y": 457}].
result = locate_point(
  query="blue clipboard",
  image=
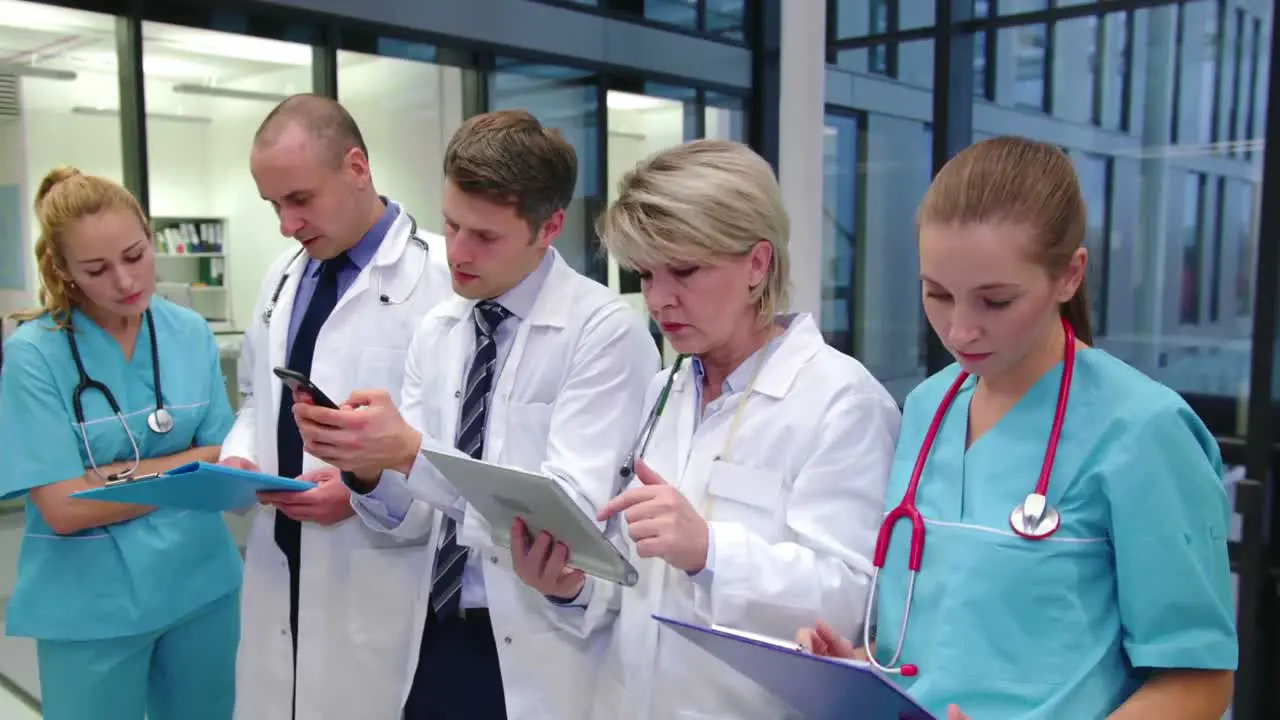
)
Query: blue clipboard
[
  {"x": 819, "y": 688},
  {"x": 195, "y": 486}
]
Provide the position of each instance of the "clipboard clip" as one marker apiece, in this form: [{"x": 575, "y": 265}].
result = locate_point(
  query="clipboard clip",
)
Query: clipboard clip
[{"x": 127, "y": 477}]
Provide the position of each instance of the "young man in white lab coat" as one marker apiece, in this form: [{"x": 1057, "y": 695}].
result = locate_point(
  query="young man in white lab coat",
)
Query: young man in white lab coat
[
  {"x": 535, "y": 366},
  {"x": 314, "y": 642}
]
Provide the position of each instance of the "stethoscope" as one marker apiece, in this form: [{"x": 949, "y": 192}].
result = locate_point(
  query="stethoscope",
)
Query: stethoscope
[
  {"x": 383, "y": 297},
  {"x": 655, "y": 414},
  {"x": 159, "y": 420},
  {"x": 646, "y": 431},
  {"x": 1033, "y": 519}
]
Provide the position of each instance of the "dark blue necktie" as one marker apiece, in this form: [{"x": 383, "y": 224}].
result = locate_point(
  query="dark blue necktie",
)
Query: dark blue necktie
[
  {"x": 446, "y": 582},
  {"x": 288, "y": 532}
]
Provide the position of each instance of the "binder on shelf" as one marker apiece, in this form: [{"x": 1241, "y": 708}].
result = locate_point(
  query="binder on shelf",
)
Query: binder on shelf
[
  {"x": 194, "y": 486},
  {"x": 816, "y": 687}
]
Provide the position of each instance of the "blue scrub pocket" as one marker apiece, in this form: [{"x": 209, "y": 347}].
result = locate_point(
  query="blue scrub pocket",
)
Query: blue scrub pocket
[{"x": 1013, "y": 609}]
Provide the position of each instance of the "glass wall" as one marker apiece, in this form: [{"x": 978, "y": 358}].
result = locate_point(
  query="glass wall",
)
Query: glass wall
[
  {"x": 59, "y": 101},
  {"x": 206, "y": 93},
  {"x": 1162, "y": 108},
  {"x": 724, "y": 19},
  {"x": 567, "y": 100},
  {"x": 408, "y": 108}
]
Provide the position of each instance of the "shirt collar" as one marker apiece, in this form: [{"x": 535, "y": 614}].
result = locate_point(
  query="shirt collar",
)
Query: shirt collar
[
  {"x": 519, "y": 300},
  {"x": 362, "y": 252}
]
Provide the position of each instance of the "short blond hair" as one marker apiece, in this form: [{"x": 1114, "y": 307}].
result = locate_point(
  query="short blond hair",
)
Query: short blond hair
[{"x": 698, "y": 201}]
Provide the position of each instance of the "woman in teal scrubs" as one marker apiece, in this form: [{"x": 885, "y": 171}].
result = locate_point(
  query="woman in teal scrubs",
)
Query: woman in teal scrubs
[
  {"x": 135, "y": 610},
  {"x": 1127, "y": 610}
]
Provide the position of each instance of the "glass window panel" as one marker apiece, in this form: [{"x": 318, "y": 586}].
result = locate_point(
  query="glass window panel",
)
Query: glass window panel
[
  {"x": 1095, "y": 183},
  {"x": 840, "y": 139},
  {"x": 61, "y": 70},
  {"x": 568, "y": 100},
  {"x": 1184, "y": 243},
  {"x": 726, "y": 18},
  {"x": 394, "y": 100},
  {"x": 59, "y": 105},
  {"x": 206, "y": 94},
  {"x": 725, "y": 117},
  {"x": 876, "y": 169}
]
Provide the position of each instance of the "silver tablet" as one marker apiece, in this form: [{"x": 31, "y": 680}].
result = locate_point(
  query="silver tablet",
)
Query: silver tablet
[{"x": 501, "y": 494}]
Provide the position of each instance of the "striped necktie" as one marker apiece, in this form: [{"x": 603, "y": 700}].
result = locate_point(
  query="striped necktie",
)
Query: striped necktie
[{"x": 446, "y": 583}]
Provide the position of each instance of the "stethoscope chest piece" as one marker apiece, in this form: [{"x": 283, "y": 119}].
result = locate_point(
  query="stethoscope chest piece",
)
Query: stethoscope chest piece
[
  {"x": 160, "y": 421},
  {"x": 1035, "y": 518}
]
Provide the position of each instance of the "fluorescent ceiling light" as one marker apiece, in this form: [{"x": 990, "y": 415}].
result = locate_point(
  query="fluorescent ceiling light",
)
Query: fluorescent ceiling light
[
  {"x": 189, "y": 89},
  {"x": 112, "y": 112},
  {"x": 617, "y": 100},
  {"x": 36, "y": 72}
]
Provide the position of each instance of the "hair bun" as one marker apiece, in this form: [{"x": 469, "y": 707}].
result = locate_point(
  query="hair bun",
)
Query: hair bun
[{"x": 55, "y": 176}]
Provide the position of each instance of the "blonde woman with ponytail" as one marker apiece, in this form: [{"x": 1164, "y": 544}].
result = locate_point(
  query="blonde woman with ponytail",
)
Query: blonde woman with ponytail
[
  {"x": 135, "y": 610},
  {"x": 1118, "y": 603}
]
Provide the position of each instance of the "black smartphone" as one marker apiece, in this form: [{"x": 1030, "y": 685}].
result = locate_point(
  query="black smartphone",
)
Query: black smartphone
[{"x": 297, "y": 381}]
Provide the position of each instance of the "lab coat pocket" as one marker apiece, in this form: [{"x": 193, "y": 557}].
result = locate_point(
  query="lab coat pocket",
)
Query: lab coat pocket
[{"x": 743, "y": 494}]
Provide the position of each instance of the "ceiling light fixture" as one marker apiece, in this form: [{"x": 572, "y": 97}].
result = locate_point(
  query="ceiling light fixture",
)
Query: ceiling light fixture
[
  {"x": 36, "y": 72},
  {"x": 190, "y": 89}
]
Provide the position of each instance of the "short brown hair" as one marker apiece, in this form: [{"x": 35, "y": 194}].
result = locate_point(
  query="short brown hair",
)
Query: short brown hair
[
  {"x": 324, "y": 119},
  {"x": 1026, "y": 182},
  {"x": 508, "y": 157}
]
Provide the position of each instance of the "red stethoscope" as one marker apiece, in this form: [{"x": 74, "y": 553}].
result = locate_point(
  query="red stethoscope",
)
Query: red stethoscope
[{"x": 1033, "y": 518}]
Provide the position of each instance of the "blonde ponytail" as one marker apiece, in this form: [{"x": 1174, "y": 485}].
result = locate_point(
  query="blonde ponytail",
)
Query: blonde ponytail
[{"x": 66, "y": 196}]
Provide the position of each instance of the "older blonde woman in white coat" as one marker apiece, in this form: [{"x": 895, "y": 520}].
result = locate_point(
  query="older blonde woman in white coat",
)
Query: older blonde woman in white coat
[{"x": 755, "y": 501}]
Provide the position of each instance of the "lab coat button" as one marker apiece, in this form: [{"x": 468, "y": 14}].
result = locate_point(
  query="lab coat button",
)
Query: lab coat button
[
  {"x": 506, "y": 640},
  {"x": 457, "y": 394},
  {"x": 493, "y": 559}
]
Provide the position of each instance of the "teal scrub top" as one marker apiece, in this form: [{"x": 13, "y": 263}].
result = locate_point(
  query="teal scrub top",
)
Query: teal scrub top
[
  {"x": 132, "y": 577},
  {"x": 1137, "y": 577}
]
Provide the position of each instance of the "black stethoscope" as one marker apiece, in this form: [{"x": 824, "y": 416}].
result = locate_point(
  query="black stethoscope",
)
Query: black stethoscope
[
  {"x": 642, "y": 440},
  {"x": 383, "y": 298},
  {"x": 160, "y": 420}
]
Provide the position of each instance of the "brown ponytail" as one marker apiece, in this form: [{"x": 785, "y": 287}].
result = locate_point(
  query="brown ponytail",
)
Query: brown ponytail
[
  {"x": 66, "y": 196},
  {"x": 1076, "y": 312}
]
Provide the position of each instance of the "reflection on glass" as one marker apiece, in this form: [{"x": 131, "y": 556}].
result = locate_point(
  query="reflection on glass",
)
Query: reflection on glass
[
  {"x": 206, "y": 94},
  {"x": 407, "y": 110},
  {"x": 1095, "y": 183},
  {"x": 59, "y": 105},
  {"x": 725, "y": 118},
  {"x": 840, "y": 140},
  {"x": 1193, "y": 228},
  {"x": 1172, "y": 274},
  {"x": 1030, "y": 54},
  {"x": 564, "y": 99},
  {"x": 61, "y": 65}
]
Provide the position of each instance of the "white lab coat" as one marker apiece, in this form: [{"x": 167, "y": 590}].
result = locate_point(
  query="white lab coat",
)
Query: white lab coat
[
  {"x": 565, "y": 403},
  {"x": 357, "y": 586},
  {"x": 794, "y": 512}
]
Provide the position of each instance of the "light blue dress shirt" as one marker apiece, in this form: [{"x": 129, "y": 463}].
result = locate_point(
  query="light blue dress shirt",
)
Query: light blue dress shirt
[
  {"x": 360, "y": 255},
  {"x": 519, "y": 301}
]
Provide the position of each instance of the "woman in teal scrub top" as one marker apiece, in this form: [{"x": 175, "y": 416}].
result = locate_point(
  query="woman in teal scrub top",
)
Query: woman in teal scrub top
[
  {"x": 1127, "y": 610},
  {"x": 135, "y": 610}
]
